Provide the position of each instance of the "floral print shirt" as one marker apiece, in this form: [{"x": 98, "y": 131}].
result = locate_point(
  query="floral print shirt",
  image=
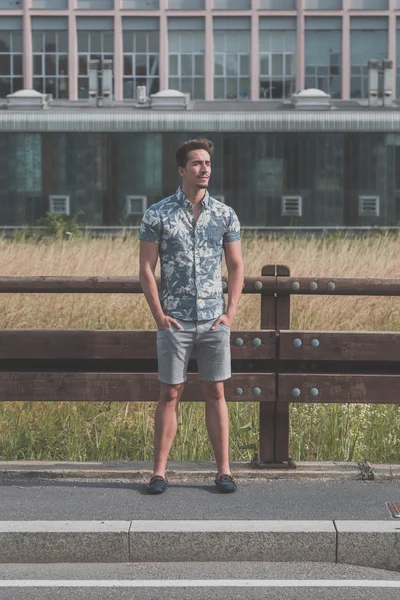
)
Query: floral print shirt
[{"x": 190, "y": 253}]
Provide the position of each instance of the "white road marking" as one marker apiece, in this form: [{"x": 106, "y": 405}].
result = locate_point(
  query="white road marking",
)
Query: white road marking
[{"x": 185, "y": 583}]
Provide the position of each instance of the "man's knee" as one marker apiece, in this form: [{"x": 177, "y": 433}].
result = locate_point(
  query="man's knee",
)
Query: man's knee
[
  {"x": 170, "y": 393},
  {"x": 213, "y": 391}
]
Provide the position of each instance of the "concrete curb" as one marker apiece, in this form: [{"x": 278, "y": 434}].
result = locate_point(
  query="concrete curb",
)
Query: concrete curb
[
  {"x": 192, "y": 471},
  {"x": 362, "y": 543}
]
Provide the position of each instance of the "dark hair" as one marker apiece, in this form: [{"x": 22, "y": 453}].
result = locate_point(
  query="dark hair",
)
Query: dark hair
[{"x": 182, "y": 152}]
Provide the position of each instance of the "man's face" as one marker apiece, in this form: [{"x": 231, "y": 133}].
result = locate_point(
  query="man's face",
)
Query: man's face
[{"x": 198, "y": 169}]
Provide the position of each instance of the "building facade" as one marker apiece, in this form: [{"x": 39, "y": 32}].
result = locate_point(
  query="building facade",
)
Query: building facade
[
  {"x": 213, "y": 49},
  {"x": 277, "y": 169}
]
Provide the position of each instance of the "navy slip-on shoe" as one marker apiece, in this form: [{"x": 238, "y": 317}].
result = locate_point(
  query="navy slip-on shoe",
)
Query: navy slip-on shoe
[
  {"x": 157, "y": 485},
  {"x": 225, "y": 483}
]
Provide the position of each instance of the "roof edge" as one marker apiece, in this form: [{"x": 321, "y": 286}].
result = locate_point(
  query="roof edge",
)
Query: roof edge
[{"x": 108, "y": 121}]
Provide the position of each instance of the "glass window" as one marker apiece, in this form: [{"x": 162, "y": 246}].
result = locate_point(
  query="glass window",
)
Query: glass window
[
  {"x": 186, "y": 50},
  {"x": 17, "y": 64},
  {"x": 366, "y": 45},
  {"x": 83, "y": 41},
  {"x": 95, "y": 39},
  {"x": 173, "y": 65},
  {"x": 323, "y": 55},
  {"x": 5, "y": 64},
  {"x": 50, "y": 62},
  {"x": 219, "y": 64},
  {"x": 199, "y": 64},
  {"x": 38, "y": 64},
  {"x": 141, "y": 41},
  {"x": 232, "y": 64},
  {"x": 5, "y": 44},
  {"x": 16, "y": 39},
  {"x": 232, "y": 4},
  {"x": 140, "y": 4},
  {"x": 62, "y": 41},
  {"x": 368, "y": 4},
  {"x": 108, "y": 42},
  {"x": 244, "y": 65},
  {"x": 323, "y": 4},
  {"x": 278, "y": 4},
  {"x": 82, "y": 63},
  {"x": 128, "y": 70},
  {"x": 141, "y": 62},
  {"x": 50, "y": 41},
  {"x": 93, "y": 45},
  {"x": 153, "y": 40},
  {"x": 10, "y": 62},
  {"x": 277, "y": 63},
  {"x": 186, "y": 4}
]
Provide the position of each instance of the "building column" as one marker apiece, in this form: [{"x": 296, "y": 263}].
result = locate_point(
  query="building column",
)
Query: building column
[
  {"x": 255, "y": 53},
  {"x": 27, "y": 38},
  {"x": 72, "y": 51},
  {"x": 209, "y": 53},
  {"x": 346, "y": 52},
  {"x": 118, "y": 53},
  {"x": 300, "y": 68},
  {"x": 392, "y": 55},
  {"x": 164, "y": 70}
]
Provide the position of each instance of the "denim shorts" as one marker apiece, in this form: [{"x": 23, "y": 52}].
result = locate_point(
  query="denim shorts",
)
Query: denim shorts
[{"x": 212, "y": 351}]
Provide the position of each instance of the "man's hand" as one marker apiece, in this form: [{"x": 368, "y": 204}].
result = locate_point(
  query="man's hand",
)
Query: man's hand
[
  {"x": 165, "y": 322},
  {"x": 226, "y": 319}
]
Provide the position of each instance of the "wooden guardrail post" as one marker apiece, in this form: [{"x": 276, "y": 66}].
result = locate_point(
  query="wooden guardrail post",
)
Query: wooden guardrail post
[
  {"x": 267, "y": 409},
  {"x": 282, "y": 316},
  {"x": 274, "y": 416}
]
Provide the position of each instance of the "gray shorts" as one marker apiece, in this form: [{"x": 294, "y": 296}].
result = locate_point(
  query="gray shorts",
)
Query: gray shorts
[{"x": 212, "y": 351}]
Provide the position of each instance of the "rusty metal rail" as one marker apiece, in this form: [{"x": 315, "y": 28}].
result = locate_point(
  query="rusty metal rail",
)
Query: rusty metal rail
[{"x": 274, "y": 365}]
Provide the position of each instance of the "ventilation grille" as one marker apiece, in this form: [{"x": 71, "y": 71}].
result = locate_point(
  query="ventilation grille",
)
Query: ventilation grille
[
  {"x": 368, "y": 206},
  {"x": 136, "y": 205},
  {"x": 59, "y": 204},
  {"x": 292, "y": 206}
]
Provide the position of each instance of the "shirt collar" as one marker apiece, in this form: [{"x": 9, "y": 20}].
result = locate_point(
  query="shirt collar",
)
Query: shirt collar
[{"x": 183, "y": 200}]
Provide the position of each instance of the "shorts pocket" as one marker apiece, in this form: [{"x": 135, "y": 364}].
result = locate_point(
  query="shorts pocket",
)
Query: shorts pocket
[
  {"x": 165, "y": 330},
  {"x": 225, "y": 326}
]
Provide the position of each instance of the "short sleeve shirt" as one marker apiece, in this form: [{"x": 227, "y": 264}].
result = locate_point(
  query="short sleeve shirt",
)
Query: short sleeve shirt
[{"x": 190, "y": 253}]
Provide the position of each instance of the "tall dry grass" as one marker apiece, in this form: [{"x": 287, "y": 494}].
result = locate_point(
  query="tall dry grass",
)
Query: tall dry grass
[{"x": 95, "y": 431}]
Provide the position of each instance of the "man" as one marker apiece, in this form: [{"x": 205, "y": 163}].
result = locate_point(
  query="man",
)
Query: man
[{"x": 190, "y": 230}]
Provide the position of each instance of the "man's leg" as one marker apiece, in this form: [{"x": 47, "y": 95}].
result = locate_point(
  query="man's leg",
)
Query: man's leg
[
  {"x": 166, "y": 425},
  {"x": 217, "y": 420},
  {"x": 214, "y": 360},
  {"x": 174, "y": 347}
]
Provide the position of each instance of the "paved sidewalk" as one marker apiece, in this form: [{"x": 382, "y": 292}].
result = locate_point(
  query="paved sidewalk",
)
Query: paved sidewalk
[{"x": 100, "y": 512}]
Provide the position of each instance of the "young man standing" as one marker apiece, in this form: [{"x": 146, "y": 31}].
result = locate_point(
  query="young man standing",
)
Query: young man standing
[{"x": 190, "y": 230}]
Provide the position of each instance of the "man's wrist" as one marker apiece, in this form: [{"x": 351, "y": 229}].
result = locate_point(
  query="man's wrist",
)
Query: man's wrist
[{"x": 159, "y": 317}]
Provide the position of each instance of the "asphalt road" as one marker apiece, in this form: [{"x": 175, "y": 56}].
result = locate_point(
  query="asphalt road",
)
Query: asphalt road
[
  {"x": 269, "y": 500},
  {"x": 324, "y": 580}
]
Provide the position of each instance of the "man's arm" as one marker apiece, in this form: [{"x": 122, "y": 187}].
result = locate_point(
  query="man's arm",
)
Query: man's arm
[
  {"x": 148, "y": 257},
  {"x": 235, "y": 266}
]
